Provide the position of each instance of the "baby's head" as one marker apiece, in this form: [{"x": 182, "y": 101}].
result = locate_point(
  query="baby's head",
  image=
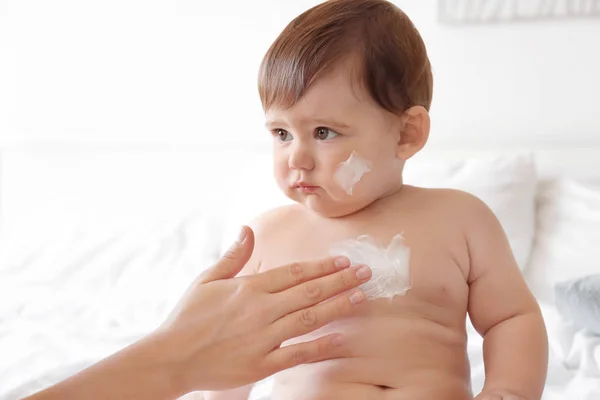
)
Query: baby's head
[{"x": 346, "y": 89}]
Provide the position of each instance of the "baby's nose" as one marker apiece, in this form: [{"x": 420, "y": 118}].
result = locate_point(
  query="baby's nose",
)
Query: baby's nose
[{"x": 301, "y": 158}]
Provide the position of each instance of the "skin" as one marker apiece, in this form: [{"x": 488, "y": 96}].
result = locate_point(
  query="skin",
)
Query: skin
[
  {"x": 413, "y": 346},
  {"x": 201, "y": 347}
]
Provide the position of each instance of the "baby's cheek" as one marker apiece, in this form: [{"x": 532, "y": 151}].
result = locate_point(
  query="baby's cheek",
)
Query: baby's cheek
[
  {"x": 350, "y": 172},
  {"x": 280, "y": 170}
]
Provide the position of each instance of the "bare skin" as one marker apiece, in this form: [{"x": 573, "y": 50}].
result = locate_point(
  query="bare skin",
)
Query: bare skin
[
  {"x": 414, "y": 346},
  {"x": 398, "y": 346}
]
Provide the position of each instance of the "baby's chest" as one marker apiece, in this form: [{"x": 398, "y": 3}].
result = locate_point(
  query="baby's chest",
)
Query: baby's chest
[{"x": 402, "y": 261}]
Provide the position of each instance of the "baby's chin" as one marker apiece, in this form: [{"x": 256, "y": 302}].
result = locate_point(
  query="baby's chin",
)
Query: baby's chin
[{"x": 328, "y": 207}]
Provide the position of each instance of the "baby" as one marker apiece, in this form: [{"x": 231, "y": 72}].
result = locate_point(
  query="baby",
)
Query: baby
[{"x": 346, "y": 89}]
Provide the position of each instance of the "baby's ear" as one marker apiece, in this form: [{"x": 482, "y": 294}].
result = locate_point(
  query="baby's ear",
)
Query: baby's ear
[{"x": 414, "y": 132}]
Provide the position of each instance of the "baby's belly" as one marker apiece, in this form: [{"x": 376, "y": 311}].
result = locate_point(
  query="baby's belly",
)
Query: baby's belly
[{"x": 393, "y": 355}]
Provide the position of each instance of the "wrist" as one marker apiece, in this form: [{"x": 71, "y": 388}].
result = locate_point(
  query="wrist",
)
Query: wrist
[
  {"x": 167, "y": 365},
  {"x": 174, "y": 354}
]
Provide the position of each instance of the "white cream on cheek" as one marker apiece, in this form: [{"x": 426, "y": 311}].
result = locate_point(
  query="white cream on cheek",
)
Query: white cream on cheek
[
  {"x": 350, "y": 172},
  {"x": 390, "y": 266}
]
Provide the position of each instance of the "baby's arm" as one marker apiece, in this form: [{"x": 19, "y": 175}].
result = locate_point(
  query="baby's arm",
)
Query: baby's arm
[{"x": 504, "y": 312}]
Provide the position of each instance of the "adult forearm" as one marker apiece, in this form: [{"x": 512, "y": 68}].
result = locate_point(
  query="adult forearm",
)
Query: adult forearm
[
  {"x": 140, "y": 371},
  {"x": 516, "y": 356}
]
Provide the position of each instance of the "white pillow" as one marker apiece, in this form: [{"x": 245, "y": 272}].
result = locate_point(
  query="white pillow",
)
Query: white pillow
[
  {"x": 506, "y": 183},
  {"x": 567, "y": 244}
]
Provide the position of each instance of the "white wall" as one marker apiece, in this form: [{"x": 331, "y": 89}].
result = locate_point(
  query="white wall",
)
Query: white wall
[
  {"x": 184, "y": 72},
  {"x": 522, "y": 82}
]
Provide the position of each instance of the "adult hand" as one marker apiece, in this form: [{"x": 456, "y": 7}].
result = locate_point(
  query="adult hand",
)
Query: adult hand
[{"x": 227, "y": 332}]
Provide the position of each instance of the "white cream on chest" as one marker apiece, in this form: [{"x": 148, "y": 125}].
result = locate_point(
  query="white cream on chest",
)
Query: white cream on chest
[{"x": 390, "y": 265}]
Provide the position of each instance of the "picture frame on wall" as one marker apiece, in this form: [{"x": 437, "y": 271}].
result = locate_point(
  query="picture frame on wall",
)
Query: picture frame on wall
[{"x": 496, "y": 11}]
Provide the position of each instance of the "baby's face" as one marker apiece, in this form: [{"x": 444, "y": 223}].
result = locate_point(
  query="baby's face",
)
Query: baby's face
[{"x": 333, "y": 120}]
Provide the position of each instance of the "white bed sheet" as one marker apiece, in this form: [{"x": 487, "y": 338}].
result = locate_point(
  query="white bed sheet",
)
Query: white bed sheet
[{"x": 65, "y": 304}]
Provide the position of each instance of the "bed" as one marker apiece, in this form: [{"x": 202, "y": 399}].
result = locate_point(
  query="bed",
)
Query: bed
[{"x": 97, "y": 244}]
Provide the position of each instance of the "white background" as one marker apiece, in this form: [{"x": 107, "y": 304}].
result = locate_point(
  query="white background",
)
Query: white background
[{"x": 154, "y": 72}]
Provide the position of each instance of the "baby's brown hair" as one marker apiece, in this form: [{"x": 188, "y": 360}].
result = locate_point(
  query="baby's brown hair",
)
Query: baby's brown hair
[{"x": 393, "y": 65}]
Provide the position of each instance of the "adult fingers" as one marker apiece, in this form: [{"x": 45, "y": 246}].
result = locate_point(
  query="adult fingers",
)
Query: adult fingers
[
  {"x": 309, "y": 319},
  {"x": 234, "y": 259},
  {"x": 287, "y": 276},
  {"x": 323, "y": 348},
  {"x": 317, "y": 290}
]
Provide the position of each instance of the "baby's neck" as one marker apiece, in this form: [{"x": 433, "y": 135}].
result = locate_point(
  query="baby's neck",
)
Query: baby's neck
[
  {"x": 394, "y": 191},
  {"x": 378, "y": 203}
]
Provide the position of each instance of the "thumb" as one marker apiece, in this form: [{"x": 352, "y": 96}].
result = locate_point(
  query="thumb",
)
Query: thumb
[{"x": 234, "y": 259}]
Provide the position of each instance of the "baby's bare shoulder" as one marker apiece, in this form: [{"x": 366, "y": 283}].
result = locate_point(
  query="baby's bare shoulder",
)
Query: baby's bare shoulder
[
  {"x": 270, "y": 223},
  {"x": 450, "y": 204},
  {"x": 454, "y": 198},
  {"x": 267, "y": 227},
  {"x": 274, "y": 217}
]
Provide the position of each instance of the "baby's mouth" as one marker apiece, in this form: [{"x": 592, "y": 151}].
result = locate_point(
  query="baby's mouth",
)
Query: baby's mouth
[{"x": 305, "y": 187}]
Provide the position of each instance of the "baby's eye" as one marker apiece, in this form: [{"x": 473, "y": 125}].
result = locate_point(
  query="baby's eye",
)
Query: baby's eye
[
  {"x": 322, "y": 133},
  {"x": 282, "y": 135}
]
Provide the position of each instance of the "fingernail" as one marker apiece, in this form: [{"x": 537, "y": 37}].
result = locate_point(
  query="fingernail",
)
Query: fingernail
[
  {"x": 342, "y": 262},
  {"x": 357, "y": 297},
  {"x": 337, "y": 340},
  {"x": 363, "y": 272},
  {"x": 242, "y": 236}
]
